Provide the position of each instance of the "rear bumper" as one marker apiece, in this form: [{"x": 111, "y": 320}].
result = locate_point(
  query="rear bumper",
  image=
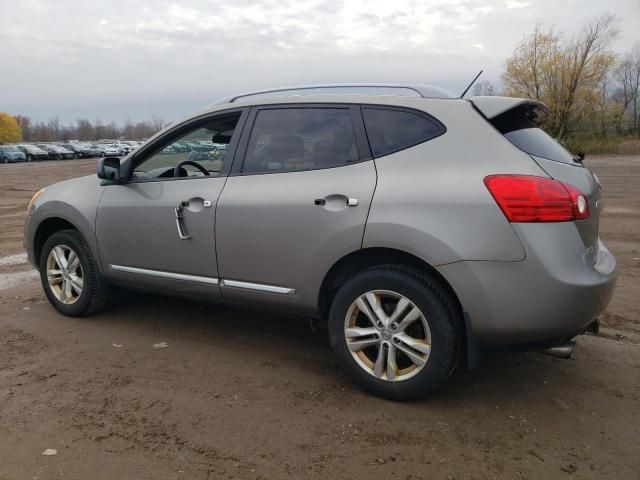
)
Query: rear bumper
[{"x": 552, "y": 295}]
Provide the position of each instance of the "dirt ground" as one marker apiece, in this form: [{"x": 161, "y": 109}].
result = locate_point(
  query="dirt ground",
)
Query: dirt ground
[{"x": 249, "y": 395}]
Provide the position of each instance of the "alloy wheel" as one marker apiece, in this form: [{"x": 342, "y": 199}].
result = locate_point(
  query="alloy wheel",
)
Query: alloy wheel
[
  {"x": 64, "y": 274},
  {"x": 387, "y": 335}
]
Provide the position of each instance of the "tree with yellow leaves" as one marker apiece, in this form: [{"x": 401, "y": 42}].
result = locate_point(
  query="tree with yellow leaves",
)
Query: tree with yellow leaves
[
  {"x": 9, "y": 129},
  {"x": 566, "y": 74}
]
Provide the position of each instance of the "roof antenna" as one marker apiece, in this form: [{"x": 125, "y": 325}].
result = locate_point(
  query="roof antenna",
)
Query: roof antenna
[{"x": 471, "y": 84}]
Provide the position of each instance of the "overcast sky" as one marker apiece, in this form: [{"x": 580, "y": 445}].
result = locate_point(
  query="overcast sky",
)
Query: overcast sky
[{"x": 142, "y": 58}]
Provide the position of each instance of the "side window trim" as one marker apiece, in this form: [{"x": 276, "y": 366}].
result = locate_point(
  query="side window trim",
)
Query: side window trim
[
  {"x": 176, "y": 132},
  {"x": 420, "y": 113},
  {"x": 362, "y": 144}
]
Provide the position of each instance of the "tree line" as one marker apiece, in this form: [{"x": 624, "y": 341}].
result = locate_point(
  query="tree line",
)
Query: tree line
[
  {"x": 83, "y": 130},
  {"x": 86, "y": 130}
]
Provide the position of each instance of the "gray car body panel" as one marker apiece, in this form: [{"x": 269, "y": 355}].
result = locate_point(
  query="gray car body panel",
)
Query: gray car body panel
[
  {"x": 555, "y": 291},
  {"x": 75, "y": 201},
  {"x": 136, "y": 227},
  {"x": 415, "y": 209},
  {"x": 265, "y": 237},
  {"x": 276, "y": 235}
]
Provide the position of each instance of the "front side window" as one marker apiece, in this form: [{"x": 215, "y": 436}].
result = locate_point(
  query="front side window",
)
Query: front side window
[
  {"x": 391, "y": 130},
  {"x": 295, "y": 139},
  {"x": 198, "y": 152}
]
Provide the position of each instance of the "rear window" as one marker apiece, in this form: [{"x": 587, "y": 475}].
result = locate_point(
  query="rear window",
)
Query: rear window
[
  {"x": 392, "y": 130},
  {"x": 525, "y": 134}
]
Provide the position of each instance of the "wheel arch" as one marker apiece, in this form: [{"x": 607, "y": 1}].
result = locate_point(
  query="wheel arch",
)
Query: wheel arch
[
  {"x": 365, "y": 258},
  {"x": 45, "y": 229}
]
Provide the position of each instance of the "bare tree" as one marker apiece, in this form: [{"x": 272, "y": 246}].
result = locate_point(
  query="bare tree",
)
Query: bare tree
[
  {"x": 627, "y": 75},
  {"x": 586, "y": 61},
  {"x": 484, "y": 88}
]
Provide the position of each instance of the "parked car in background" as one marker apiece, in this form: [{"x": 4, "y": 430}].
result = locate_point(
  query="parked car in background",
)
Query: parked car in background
[
  {"x": 91, "y": 150},
  {"x": 11, "y": 154},
  {"x": 422, "y": 227},
  {"x": 56, "y": 152},
  {"x": 125, "y": 148},
  {"x": 33, "y": 153},
  {"x": 82, "y": 150},
  {"x": 52, "y": 153},
  {"x": 111, "y": 151},
  {"x": 99, "y": 148},
  {"x": 73, "y": 147}
]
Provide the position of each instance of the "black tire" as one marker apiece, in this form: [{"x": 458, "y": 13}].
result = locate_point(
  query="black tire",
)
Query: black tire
[
  {"x": 440, "y": 310},
  {"x": 94, "y": 290}
]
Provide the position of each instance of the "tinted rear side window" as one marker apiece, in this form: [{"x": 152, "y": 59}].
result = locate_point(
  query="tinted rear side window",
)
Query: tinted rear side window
[
  {"x": 391, "y": 130},
  {"x": 295, "y": 139},
  {"x": 523, "y": 132}
]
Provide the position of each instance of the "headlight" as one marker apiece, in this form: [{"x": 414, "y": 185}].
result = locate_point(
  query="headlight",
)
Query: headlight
[{"x": 33, "y": 199}]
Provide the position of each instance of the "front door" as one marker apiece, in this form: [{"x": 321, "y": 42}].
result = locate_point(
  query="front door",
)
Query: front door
[
  {"x": 157, "y": 230},
  {"x": 297, "y": 202}
]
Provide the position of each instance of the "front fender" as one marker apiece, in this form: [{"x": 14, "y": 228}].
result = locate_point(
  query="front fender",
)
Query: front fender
[{"x": 74, "y": 202}]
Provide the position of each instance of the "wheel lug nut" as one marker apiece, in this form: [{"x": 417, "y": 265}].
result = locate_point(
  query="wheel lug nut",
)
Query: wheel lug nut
[
  {"x": 379, "y": 324},
  {"x": 376, "y": 336},
  {"x": 396, "y": 340},
  {"x": 394, "y": 326}
]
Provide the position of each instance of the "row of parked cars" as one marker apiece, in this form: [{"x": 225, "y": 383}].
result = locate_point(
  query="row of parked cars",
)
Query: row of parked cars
[{"x": 32, "y": 152}]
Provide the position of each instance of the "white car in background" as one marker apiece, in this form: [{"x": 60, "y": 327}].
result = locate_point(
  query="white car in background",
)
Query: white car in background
[{"x": 112, "y": 151}]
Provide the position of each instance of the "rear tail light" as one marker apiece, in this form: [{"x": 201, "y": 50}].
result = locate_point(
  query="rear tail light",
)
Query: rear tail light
[{"x": 531, "y": 199}]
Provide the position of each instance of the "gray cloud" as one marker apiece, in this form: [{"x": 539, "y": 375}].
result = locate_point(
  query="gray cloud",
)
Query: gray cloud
[{"x": 117, "y": 59}]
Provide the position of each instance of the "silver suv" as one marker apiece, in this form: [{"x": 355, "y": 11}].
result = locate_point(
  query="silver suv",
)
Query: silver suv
[{"x": 423, "y": 228}]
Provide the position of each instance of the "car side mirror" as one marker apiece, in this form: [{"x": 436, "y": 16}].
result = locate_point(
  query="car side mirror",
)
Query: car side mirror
[{"x": 109, "y": 169}]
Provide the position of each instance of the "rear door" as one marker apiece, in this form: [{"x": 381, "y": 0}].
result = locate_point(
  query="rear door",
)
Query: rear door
[{"x": 296, "y": 202}]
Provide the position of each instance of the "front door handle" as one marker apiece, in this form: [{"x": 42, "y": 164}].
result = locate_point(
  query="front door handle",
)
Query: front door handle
[{"x": 182, "y": 229}]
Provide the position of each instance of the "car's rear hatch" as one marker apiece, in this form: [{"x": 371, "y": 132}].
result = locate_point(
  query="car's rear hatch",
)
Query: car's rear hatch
[{"x": 519, "y": 121}]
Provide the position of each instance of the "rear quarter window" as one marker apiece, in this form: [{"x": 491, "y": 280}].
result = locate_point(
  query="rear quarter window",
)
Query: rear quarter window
[
  {"x": 525, "y": 134},
  {"x": 391, "y": 130}
]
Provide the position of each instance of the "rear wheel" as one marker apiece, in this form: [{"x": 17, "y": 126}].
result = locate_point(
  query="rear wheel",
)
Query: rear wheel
[
  {"x": 70, "y": 276},
  {"x": 395, "y": 332}
]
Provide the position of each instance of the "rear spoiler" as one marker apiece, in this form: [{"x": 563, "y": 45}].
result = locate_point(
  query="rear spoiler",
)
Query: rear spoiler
[{"x": 492, "y": 107}]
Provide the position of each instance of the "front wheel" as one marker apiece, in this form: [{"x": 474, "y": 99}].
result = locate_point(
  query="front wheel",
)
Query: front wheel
[
  {"x": 70, "y": 276},
  {"x": 395, "y": 332}
]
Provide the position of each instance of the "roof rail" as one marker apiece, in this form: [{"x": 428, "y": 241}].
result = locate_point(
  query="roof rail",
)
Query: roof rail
[{"x": 425, "y": 91}]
